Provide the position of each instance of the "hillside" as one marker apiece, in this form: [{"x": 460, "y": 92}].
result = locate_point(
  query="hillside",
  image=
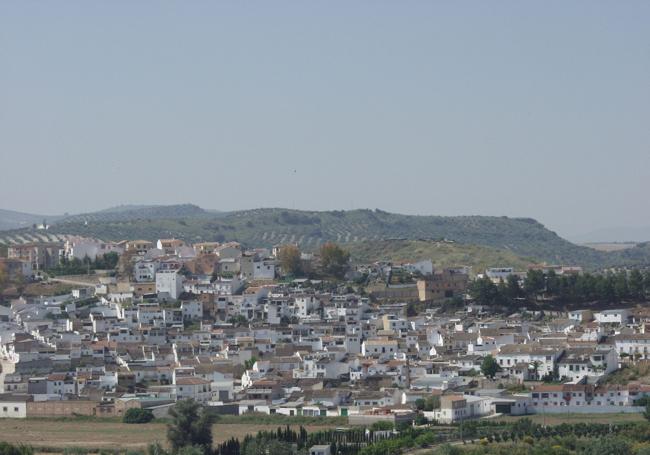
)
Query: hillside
[
  {"x": 522, "y": 237},
  {"x": 443, "y": 254},
  {"x": 133, "y": 212},
  {"x": 10, "y": 219}
]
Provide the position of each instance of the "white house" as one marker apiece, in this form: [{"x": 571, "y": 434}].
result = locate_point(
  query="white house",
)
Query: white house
[
  {"x": 80, "y": 248},
  {"x": 169, "y": 283},
  {"x": 14, "y": 406},
  {"x": 619, "y": 316},
  {"x": 193, "y": 387},
  {"x": 379, "y": 346},
  {"x": 636, "y": 344},
  {"x": 454, "y": 408},
  {"x": 542, "y": 359},
  {"x": 497, "y": 274},
  {"x": 578, "y": 363},
  {"x": 145, "y": 271},
  {"x": 192, "y": 310}
]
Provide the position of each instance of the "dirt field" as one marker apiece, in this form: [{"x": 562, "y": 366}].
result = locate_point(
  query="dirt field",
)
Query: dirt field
[{"x": 98, "y": 434}]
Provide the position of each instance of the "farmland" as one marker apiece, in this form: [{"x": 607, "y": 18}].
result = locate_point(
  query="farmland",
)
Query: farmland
[{"x": 98, "y": 434}]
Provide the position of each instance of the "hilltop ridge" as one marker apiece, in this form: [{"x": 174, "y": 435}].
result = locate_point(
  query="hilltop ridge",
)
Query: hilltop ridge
[{"x": 522, "y": 237}]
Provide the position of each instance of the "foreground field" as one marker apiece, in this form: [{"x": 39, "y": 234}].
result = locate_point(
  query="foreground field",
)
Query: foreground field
[
  {"x": 103, "y": 434},
  {"x": 556, "y": 419}
]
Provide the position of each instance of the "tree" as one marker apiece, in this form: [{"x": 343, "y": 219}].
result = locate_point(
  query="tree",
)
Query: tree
[
  {"x": 191, "y": 426},
  {"x": 620, "y": 286},
  {"x": 646, "y": 413},
  {"x": 248, "y": 364},
  {"x": 513, "y": 290},
  {"x": 635, "y": 284},
  {"x": 484, "y": 291},
  {"x": 334, "y": 260},
  {"x": 608, "y": 446},
  {"x": 535, "y": 282},
  {"x": 290, "y": 260},
  {"x": 432, "y": 402},
  {"x": 137, "y": 415},
  {"x": 489, "y": 367},
  {"x": 9, "y": 449},
  {"x": 263, "y": 446},
  {"x": 411, "y": 310},
  {"x": 3, "y": 276}
]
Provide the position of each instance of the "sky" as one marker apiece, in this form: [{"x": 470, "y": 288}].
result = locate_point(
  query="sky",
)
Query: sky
[{"x": 535, "y": 109}]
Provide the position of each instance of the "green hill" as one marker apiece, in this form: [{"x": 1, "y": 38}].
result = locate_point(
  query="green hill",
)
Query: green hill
[{"x": 523, "y": 237}]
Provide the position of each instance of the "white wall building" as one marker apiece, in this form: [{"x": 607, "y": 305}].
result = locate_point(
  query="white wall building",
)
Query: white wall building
[{"x": 169, "y": 283}]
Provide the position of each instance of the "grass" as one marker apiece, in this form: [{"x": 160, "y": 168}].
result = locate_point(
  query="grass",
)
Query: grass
[
  {"x": 639, "y": 371},
  {"x": 442, "y": 254},
  {"x": 556, "y": 419}
]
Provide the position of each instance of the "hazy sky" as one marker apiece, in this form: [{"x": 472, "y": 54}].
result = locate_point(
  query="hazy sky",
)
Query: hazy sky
[{"x": 538, "y": 109}]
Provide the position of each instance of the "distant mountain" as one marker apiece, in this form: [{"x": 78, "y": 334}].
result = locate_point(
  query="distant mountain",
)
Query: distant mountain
[
  {"x": 18, "y": 220},
  {"x": 615, "y": 234},
  {"x": 522, "y": 237},
  {"x": 124, "y": 208},
  {"x": 136, "y": 212}
]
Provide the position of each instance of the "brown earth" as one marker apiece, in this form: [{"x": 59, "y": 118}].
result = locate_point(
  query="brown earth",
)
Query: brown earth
[{"x": 99, "y": 434}]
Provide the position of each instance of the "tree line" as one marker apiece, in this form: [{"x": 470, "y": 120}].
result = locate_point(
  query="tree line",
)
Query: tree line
[
  {"x": 334, "y": 261},
  {"x": 610, "y": 287},
  {"x": 76, "y": 266}
]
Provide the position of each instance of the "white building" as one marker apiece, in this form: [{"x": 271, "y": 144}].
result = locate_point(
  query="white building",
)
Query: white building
[
  {"x": 497, "y": 274},
  {"x": 193, "y": 387},
  {"x": 423, "y": 267},
  {"x": 169, "y": 283},
  {"x": 379, "y": 347},
  {"x": 192, "y": 310},
  {"x": 612, "y": 316},
  {"x": 80, "y": 248},
  {"x": 578, "y": 363},
  {"x": 542, "y": 360},
  {"x": 454, "y": 408},
  {"x": 145, "y": 271},
  {"x": 636, "y": 344},
  {"x": 264, "y": 270},
  {"x": 14, "y": 406}
]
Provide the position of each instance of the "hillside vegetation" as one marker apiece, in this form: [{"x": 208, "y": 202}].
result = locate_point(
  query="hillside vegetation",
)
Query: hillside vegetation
[
  {"x": 523, "y": 237},
  {"x": 443, "y": 254}
]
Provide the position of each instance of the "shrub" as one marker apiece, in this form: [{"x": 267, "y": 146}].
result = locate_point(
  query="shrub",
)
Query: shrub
[
  {"x": 382, "y": 426},
  {"x": 9, "y": 449},
  {"x": 135, "y": 415}
]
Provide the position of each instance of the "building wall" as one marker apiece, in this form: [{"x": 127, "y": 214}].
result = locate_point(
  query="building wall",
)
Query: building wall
[
  {"x": 68, "y": 408},
  {"x": 13, "y": 409}
]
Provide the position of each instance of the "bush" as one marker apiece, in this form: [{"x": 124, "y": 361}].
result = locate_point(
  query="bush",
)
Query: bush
[
  {"x": 135, "y": 415},
  {"x": 382, "y": 426},
  {"x": 9, "y": 449}
]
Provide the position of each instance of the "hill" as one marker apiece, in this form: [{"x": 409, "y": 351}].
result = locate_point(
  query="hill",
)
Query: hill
[
  {"x": 523, "y": 237},
  {"x": 443, "y": 254},
  {"x": 615, "y": 234},
  {"x": 10, "y": 219},
  {"x": 137, "y": 212}
]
